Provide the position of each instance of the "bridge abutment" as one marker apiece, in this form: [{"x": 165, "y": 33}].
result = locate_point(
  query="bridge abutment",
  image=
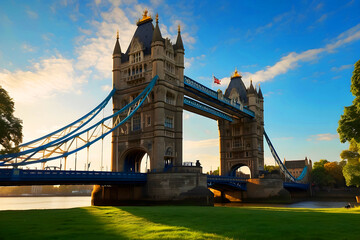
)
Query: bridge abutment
[{"x": 178, "y": 187}]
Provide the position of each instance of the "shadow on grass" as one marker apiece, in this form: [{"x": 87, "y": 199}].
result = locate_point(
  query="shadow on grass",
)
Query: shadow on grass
[
  {"x": 258, "y": 223},
  {"x": 77, "y": 223},
  {"x": 89, "y": 223}
]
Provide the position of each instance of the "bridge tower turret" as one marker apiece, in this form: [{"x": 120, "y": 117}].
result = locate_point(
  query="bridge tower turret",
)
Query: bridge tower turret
[
  {"x": 156, "y": 128},
  {"x": 241, "y": 141}
]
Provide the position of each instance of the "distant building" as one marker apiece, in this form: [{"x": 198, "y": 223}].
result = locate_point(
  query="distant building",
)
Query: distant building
[{"x": 295, "y": 167}]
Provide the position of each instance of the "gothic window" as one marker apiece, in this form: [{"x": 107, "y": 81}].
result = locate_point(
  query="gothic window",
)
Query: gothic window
[
  {"x": 169, "y": 98},
  {"x": 169, "y": 152},
  {"x": 136, "y": 122},
  {"x": 237, "y": 143},
  {"x": 169, "y": 122}
]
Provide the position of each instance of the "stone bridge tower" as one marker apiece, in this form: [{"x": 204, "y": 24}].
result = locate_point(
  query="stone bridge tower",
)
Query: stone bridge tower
[
  {"x": 156, "y": 128},
  {"x": 241, "y": 141}
]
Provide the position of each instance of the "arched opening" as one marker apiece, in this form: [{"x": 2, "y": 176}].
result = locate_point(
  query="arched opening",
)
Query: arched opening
[
  {"x": 240, "y": 170},
  {"x": 168, "y": 158},
  {"x": 136, "y": 160}
]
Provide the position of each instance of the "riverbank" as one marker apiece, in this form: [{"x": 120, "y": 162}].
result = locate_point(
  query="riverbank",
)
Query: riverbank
[{"x": 170, "y": 222}]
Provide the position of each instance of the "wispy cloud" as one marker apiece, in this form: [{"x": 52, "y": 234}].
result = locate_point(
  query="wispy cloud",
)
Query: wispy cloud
[
  {"x": 323, "y": 137},
  {"x": 106, "y": 88},
  {"x": 28, "y": 48},
  {"x": 292, "y": 60},
  {"x": 32, "y": 14},
  {"x": 43, "y": 80},
  {"x": 343, "y": 67}
]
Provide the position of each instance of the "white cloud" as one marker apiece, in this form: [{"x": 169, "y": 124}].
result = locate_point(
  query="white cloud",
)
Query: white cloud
[
  {"x": 106, "y": 88},
  {"x": 186, "y": 116},
  {"x": 96, "y": 53},
  {"x": 323, "y": 137},
  {"x": 343, "y": 67},
  {"x": 45, "y": 79},
  {"x": 32, "y": 14},
  {"x": 188, "y": 62},
  {"x": 291, "y": 60},
  {"x": 27, "y": 48}
]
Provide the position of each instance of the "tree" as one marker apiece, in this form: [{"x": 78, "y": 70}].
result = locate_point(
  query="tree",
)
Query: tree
[
  {"x": 272, "y": 169},
  {"x": 335, "y": 170},
  {"x": 320, "y": 177},
  {"x": 10, "y": 126},
  {"x": 349, "y": 130},
  {"x": 320, "y": 163},
  {"x": 351, "y": 173},
  {"x": 349, "y": 124}
]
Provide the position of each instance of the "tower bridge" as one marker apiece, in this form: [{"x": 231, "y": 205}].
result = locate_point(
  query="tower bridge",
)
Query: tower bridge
[{"x": 149, "y": 95}]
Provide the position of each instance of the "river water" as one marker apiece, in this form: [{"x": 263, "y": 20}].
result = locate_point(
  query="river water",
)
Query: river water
[{"x": 24, "y": 203}]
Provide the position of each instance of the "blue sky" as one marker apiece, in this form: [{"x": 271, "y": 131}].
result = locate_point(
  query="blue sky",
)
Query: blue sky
[{"x": 55, "y": 61}]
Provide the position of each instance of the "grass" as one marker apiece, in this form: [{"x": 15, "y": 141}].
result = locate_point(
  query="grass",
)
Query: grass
[{"x": 170, "y": 222}]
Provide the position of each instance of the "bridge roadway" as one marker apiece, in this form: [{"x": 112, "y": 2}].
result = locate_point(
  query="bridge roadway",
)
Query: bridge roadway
[{"x": 21, "y": 177}]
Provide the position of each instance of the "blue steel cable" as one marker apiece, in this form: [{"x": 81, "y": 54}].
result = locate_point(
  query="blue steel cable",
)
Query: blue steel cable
[
  {"x": 98, "y": 109},
  {"x": 145, "y": 92},
  {"x": 281, "y": 164}
]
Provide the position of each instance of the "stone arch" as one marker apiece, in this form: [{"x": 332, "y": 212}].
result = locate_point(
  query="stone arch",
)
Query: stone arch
[
  {"x": 132, "y": 158},
  {"x": 235, "y": 173}
]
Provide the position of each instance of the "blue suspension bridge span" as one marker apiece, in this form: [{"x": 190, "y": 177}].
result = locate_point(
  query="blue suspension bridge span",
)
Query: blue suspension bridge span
[
  {"x": 150, "y": 92},
  {"x": 81, "y": 134}
]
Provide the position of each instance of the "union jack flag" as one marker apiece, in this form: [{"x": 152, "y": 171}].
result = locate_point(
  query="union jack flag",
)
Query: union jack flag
[{"x": 216, "y": 80}]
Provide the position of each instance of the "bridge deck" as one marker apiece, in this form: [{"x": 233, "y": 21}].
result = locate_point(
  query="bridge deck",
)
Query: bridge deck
[
  {"x": 20, "y": 177},
  {"x": 205, "y": 95},
  {"x": 17, "y": 177}
]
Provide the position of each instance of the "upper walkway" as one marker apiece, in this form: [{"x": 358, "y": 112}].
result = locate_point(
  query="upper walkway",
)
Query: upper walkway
[{"x": 215, "y": 100}]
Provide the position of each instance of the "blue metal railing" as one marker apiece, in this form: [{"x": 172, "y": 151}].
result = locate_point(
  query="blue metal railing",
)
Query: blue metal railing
[
  {"x": 13, "y": 176},
  {"x": 213, "y": 94}
]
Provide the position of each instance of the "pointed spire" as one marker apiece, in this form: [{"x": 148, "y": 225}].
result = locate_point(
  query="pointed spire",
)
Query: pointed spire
[
  {"x": 157, "y": 34},
  {"x": 117, "y": 49},
  {"x": 236, "y": 74},
  {"x": 145, "y": 18},
  {"x": 179, "y": 43},
  {"x": 260, "y": 93},
  {"x": 251, "y": 88}
]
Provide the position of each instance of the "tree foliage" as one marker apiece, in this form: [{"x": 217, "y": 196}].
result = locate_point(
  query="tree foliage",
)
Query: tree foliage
[
  {"x": 335, "y": 170},
  {"x": 349, "y": 130},
  {"x": 10, "y": 126},
  {"x": 349, "y": 124},
  {"x": 272, "y": 169},
  {"x": 351, "y": 173},
  {"x": 320, "y": 163},
  {"x": 327, "y": 173}
]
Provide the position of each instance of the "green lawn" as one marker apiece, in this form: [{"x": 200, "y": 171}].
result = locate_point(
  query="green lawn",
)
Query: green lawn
[{"x": 170, "y": 222}]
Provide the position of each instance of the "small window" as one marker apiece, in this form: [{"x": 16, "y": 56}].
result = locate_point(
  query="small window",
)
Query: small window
[
  {"x": 169, "y": 98},
  {"x": 169, "y": 122},
  {"x": 148, "y": 121},
  {"x": 136, "y": 123}
]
